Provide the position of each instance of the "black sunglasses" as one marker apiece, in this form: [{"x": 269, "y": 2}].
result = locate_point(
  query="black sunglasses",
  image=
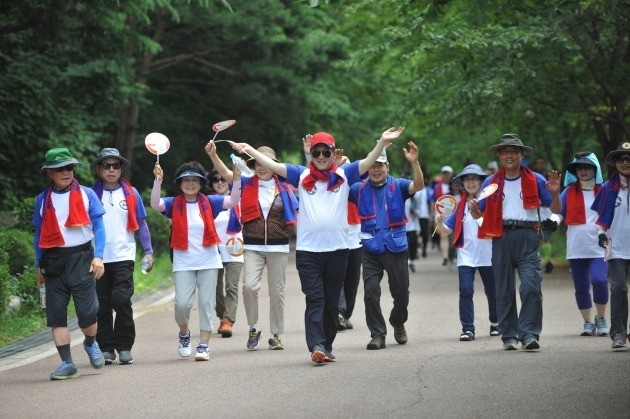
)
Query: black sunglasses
[
  {"x": 108, "y": 166},
  {"x": 317, "y": 153},
  {"x": 583, "y": 167},
  {"x": 218, "y": 179},
  {"x": 623, "y": 158},
  {"x": 67, "y": 168}
]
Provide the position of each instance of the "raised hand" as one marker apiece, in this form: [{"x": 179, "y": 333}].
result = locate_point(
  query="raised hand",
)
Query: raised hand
[
  {"x": 211, "y": 148},
  {"x": 553, "y": 182},
  {"x": 158, "y": 172},
  {"x": 412, "y": 154},
  {"x": 340, "y": 159},
  {"x": 391, "y": 134},
  {"x": 306, "y": 143}
]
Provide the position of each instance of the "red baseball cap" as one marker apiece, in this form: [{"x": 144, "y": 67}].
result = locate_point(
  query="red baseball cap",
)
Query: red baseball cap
[{"x": 323, "y": 138}]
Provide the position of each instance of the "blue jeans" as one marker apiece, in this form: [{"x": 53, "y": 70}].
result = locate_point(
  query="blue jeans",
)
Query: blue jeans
[{"x": 466, "y": 291}]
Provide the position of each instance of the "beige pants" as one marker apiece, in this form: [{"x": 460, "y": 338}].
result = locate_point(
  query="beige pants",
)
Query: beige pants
[{"x": 252, "y": 274}]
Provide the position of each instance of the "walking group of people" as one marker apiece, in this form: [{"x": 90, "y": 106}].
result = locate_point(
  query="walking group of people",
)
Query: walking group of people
[{"x": 345, "y": 215}]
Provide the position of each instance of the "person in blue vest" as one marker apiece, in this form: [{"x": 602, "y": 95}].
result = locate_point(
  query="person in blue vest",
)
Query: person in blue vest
[
  {"x": 380, "y": 200},
  {"x": 612, "y": 205}
]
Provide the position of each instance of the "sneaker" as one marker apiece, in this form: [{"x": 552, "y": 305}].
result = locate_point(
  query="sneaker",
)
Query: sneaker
[
  {"x": 349, "y": 325},
  {"x": 95, "y": 354},
  {"x": 226, "y": 332},
  {"x": 510, "y": 344},
  {"x": 254, "y": 337},
  {"x": 318, "y": 355},
  {"x": 400, "y": 334},
  {"x": 341, "y": 323},
  {"x": 600, "y": 325},
  {"x": 125, "y": 358},
  {"x": 618, "y": 341},
  {"x": 445, "y": 262},
  {"x": 275, "y": 343},
  {"x": 376, "y": 343},
  {"x": 203, "y": 353},
  {"x": 65, "y": 371},
  {"x": 549, "y": 267},
  {"x": 588, "y": 329},
  {"x": 110, "y": 357},
  {"x": 530, "y": 344},
  {"x": 184, "y": 345},
  {"x": 467, "y": 336},
  {"x": 495, "y": 331}
]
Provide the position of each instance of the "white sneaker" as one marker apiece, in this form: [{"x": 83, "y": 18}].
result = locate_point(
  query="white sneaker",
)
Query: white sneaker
[
  {"x": 600, "y": 325},
  {"x": 203, "y": 353},
  {"x": 184, "y": 345}
]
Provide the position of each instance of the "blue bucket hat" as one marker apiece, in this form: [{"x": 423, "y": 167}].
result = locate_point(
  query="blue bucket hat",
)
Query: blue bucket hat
[{"x": 471, "y": 169}]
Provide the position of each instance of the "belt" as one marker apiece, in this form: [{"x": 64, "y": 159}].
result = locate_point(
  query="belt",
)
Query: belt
[
  {"x": 70, "y": 250},
  {"x": 518, "y": 224}
]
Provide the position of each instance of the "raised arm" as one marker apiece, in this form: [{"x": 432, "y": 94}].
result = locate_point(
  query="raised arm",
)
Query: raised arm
[
  {"x": 386, "y": 138},
  {"x": 157, "y": 203},
  {"x": 235, "y": 196},
  {"x": 224, "y": 171},
  {"x": 418, "y": 176},
  {"x": 278, "y": 168},
  {"x": 553, "y": 186}
]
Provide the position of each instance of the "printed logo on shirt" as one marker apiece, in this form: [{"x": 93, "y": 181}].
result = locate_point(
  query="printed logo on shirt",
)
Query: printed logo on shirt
[
  {"x": 312, "y": 191},
  {"x": 337, "y": 189},
  {"x": 617, "y": 201},
  {"x": 123, "y": 204}
]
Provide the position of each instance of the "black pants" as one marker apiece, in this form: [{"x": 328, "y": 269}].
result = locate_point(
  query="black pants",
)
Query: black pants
[
  {"x": 412, "y": 240},
  {"x": 114, "y": 292},
  {"x": 321, "y": 276},
  {"x": 348, "y": 296},
  {"x": 424, "y": 234},
  {"x": 395, "y": 264}
]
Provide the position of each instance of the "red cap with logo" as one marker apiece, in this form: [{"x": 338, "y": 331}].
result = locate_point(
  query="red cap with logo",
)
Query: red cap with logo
[{"x": 323, "y": 138}]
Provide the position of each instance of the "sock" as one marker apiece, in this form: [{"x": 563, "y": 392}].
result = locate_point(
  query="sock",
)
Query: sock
[
  {"x": 64, "y": 353},
  {"x": 89, "y": 340},
  {"x": 203, "y": 342}
]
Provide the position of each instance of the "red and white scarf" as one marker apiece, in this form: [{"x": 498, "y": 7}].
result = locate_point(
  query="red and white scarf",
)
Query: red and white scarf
[
  {"x": 179, "y": 225},
  {"x": 77, "y": 216},
  {"x": 330, "y": 176}
]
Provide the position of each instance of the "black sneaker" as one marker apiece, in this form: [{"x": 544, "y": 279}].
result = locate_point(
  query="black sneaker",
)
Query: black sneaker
[
  {"x": 467, "y": 336},
  {"x": 495, "y": 331},
  {"x": 376, "y": 343},
  {"x": 530, "y": 344},
  {"x": 341, "y": 323}
]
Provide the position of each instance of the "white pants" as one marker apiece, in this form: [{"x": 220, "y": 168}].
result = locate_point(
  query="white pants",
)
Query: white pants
[
  {"x": 205, "y": 281},
  {"x": 252, "y": 273}
]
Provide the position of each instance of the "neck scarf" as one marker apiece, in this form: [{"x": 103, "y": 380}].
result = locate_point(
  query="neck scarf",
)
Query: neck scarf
[
  {"x": 130, "y": 198},
  {"x": 353, "y": 214},
  {"x": 576, "y": 212},
  {"x": 77, "y": 216},
  {"x": 250, "y": 208},
  {"x": 458, "y": 236},
  {"x": 394, "y": 203},
  {"x": 330, "y": 176},
  {"x": 493, "y": 215},
  {"x": 179, "y": 225}
]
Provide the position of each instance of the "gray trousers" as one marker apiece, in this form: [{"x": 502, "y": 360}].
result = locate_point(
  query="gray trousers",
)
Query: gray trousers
[
  {"x": 374, "y": 266},
  {"x": 517, "y": 251},
  {"x": 618, "y": 271},
  {"x": 227, "y": 291}
]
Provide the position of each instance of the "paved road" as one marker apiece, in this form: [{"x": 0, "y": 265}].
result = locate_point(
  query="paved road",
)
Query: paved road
[{"x": 434, "y": 375}]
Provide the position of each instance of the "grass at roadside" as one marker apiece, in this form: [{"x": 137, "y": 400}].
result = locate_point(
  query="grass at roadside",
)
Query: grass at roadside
[{"x": 20, "y": 325}]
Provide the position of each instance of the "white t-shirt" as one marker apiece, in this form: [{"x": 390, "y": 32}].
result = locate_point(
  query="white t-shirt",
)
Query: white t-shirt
[
  {"x": 475, "y": 251},
  {"x": 323, "y": 215},
  {"x": 413, "y": 221},
  {"x": 620, "y": 228},
  {"x": 73, "y": 236},
  {"x": 582, "y": 239},
  {"x": 120, "y": 243},
  {"x": 354, "y": 236},
  {"x": 221, "y": 224},
  {"x": 197, "y": 257},
  {"x": 513, "y": 202}
]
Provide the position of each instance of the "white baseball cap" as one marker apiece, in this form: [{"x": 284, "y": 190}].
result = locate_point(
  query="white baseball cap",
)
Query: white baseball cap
[{"x": 448, "y": 169}]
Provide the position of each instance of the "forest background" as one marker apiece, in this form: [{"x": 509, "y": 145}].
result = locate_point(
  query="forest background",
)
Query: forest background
[{"x": 456, "y": 74}]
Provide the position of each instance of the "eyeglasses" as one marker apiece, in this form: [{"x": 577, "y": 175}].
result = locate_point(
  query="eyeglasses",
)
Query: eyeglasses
[
  {"x": 218, "y": 179},
  {"x": 317, "y": 153},
  {"x": 507, "y": 151},
  {"x": 68, "y": 168},
  {"x": 624, "y": 158},
  {"x": 107, "y": 166},
  {"x": 583, "y": 167}
]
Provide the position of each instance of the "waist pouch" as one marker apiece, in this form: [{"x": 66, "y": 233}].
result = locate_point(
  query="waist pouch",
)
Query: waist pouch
[{"x": 53, "y": 261}]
